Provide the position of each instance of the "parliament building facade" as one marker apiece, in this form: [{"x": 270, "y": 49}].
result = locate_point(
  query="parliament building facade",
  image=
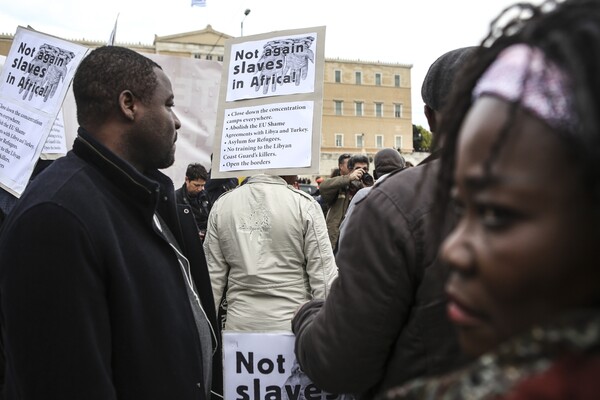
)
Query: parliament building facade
[{"x": 366, "y": 105}]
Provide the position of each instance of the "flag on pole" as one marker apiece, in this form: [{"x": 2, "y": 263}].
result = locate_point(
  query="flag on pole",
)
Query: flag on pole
[
  {"x": 113, "y": 34},
  {"x": 199, "y": 3}
]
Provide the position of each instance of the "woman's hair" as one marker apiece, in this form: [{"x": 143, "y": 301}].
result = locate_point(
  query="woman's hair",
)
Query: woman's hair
[{"x": 568, "y": 33}]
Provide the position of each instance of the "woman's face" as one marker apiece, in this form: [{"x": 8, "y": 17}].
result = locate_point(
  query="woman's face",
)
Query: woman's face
[{"x": 523, "y": 249}]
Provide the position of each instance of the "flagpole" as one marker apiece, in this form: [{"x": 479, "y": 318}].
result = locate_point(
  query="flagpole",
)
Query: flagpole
[{"x": 113, "y": 34}]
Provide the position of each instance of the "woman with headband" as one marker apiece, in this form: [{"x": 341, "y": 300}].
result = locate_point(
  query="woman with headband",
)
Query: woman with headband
[{"x": 521, "y": 164}]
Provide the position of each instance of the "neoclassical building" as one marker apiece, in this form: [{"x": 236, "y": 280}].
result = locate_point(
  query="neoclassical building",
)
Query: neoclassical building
[{"x": 366, "y": 105}]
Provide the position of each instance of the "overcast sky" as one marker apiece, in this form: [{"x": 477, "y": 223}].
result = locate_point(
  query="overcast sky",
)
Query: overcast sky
[{"x": 412, "y": 32}]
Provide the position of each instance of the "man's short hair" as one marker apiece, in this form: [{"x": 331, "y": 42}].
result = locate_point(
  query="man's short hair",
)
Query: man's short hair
[
  {"x": 357, "y": 158},
  {"x": 103, "y": 74},
  {"x": 343, "y": 157},
  {"x": 440, "y": 76},
  {"x": 196, "y": 171}
]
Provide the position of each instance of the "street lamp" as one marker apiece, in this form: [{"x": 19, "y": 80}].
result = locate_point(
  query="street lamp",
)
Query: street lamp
[{"x": 242, "y": 23}]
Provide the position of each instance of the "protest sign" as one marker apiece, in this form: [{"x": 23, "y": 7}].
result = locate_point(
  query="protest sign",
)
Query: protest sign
[
  {"x": 262, "y": 366},
  {"x": 270, "y": 104},
  {"x": 33, "y": 84}
]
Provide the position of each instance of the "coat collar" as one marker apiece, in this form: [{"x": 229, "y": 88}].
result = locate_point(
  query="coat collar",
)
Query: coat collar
[
  {"x": 522, "y": 357},
  {"x": 264, "y": 178},
  {"x": 144, "y": 188}
]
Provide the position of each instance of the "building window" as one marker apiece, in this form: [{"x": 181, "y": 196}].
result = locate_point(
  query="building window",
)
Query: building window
[
  {"x": 398, "y": 110},
  {"x": 338, "y": 76},
  {"x": 358, "y": 108},
  {"x": 360, "y": 140},
  {"x": 378, "y": 79},
  {"x": 339, "y": 107},
  {"x": 398, "y": 142},
  {"x": 358, "y": 77},
  {"x": 379, "y": 110},
  {"x": 220, "y": 58},
  {"x": 379, "y": 141},
  {"x": 198, "y": 56},
  {"x": 339, "y": 140},
  {"x": 209, "y": 57},
  {"x": 397, "y": 80}
]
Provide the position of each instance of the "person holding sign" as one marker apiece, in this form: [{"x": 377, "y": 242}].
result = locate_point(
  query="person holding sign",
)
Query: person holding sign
[
  {"x": 191, "y": 194},
  {"x": 104, "y": 288}
]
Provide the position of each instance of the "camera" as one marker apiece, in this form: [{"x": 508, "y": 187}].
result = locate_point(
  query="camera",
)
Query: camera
[{"x": 367, "y": 179}]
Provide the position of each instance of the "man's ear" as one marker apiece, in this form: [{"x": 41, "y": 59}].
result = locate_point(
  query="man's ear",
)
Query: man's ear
[
  {"x": 127, "y": 104},
  {"x": 431, "y": 118}
]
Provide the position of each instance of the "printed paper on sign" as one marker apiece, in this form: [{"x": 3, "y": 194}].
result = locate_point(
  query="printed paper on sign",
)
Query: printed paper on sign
[
  {"x": 262, "y": 365},
  {"x": 278, "y": 66},
  {"x": 274, "y": 136}
]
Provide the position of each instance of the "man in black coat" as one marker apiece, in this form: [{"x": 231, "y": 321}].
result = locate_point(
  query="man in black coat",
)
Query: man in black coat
[
  {"x": 193, "y": 195},
  {"x": 104, "y": 290}
]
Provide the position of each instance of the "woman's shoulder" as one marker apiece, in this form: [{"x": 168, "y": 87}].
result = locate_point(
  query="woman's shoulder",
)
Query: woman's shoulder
[{"x": 560, "y": 360}]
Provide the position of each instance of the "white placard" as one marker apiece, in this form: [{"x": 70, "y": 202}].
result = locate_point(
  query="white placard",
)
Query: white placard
[
  {"x": 261, "y": 365},
  {"x": 33, "y": 84},
  {"x": 271, "y": 104},
  {"x": 276, "y": 66}
]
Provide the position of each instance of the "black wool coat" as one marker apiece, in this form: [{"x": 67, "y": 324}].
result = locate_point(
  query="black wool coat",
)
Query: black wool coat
[{"x": 92, "y": 299}]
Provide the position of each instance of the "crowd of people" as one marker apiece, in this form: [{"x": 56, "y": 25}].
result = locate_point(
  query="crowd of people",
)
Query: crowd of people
[{"x": 469, "y": 276}]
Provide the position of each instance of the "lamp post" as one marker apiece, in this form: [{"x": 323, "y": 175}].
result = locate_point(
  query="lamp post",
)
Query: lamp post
[{"x": 242, "y": 23}]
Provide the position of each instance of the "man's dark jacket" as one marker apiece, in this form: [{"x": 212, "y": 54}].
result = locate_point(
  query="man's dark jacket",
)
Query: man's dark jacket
[
  {"x": 198, "y": 205},
  {"x": 93, "y": 302},
  {"x": 214, "y": 188},
  {"x": 384, "y": 321}
]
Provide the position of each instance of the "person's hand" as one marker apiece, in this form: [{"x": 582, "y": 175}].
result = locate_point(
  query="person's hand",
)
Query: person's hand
[
  {"x": 298, "y": 308},
  {"x": 356, "y": 175}
]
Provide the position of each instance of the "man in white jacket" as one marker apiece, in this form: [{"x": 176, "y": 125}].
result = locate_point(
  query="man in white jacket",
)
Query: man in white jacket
[{"x": 267, "y": 246}]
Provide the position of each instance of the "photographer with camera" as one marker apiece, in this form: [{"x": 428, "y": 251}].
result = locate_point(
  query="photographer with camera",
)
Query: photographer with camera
[
  {"x": 337, "y": 193},
  {"x": 386, "y": 161}
]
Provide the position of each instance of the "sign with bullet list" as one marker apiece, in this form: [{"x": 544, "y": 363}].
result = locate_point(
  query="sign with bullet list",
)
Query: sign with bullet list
[{"x": 273, "y": 137}]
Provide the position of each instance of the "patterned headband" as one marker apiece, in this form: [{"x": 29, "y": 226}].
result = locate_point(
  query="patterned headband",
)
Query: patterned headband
[{"x": 522, "y": 73}]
